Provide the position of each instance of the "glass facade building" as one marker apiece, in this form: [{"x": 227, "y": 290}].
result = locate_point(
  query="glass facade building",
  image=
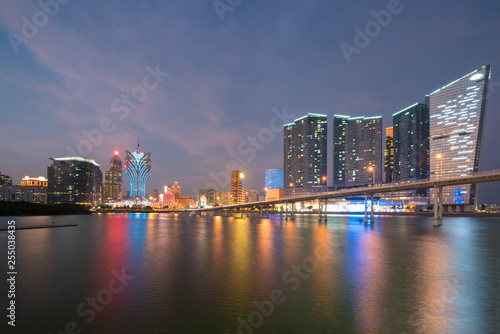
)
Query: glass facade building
[
  {"x": 305, "y": 154},
  {"x": 74, "y": 180},
  {"x": 357, "y": 148},
  {"x": 138, "y": 171},
  {"x": 411, "y": 143},
  {"x": 274, "y": 178},
  {"x": 457, "y": 114}
]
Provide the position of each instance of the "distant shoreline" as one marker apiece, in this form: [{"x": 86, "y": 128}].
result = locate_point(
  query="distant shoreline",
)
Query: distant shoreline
[{"x": 428, "y": 214}]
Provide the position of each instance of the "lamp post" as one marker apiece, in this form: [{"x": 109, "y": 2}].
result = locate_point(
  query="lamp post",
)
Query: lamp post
[
  {"x": 440, "y": 157},
  {"x": 293, "y": 185},
  {"x": 324, "y": 178},
  {"x": 372, "y": 169}
]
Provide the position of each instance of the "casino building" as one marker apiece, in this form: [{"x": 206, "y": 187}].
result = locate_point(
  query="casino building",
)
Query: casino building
[{"x": 138, "y": 171}]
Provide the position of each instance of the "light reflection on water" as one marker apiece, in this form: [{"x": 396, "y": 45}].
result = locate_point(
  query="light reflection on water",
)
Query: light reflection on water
[{"x": 200, "y": 274}]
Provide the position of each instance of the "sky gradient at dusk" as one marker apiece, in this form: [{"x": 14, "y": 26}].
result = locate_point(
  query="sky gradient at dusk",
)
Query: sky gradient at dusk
[{"x": 225, "y": 78}]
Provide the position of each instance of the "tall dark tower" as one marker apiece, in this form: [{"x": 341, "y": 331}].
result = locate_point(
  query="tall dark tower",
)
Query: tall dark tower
[
  {"x": 113, "y": 180},
  {"x": 305, "y": 154}
]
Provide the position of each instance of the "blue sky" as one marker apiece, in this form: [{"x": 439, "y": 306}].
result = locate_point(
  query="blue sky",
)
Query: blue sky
[{"x": 225, "y": 77}]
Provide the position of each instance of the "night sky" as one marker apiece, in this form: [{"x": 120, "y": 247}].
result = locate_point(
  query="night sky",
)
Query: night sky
[{"x": 225, "y": 78}]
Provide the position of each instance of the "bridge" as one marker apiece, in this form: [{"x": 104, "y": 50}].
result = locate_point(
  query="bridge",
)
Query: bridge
[{"x": 370, "y": 191}]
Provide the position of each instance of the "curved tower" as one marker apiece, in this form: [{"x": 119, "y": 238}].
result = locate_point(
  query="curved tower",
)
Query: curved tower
[{"x": 138, "y": 171}]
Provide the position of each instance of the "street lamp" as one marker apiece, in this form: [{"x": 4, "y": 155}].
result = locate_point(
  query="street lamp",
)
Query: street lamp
[
  {"x": 440, "y": 157},
  {"x": 372, "y": 169},
  {"x": 324, "y": 178},
  {"x": 293, "y": 185}
]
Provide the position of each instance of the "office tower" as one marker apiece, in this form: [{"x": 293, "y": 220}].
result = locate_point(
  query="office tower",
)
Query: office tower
[
  {"x": 274, "y": 178},
  {"x": 389, "y": 154},
  {"x": 5, "y": 180},
  {"x": 74, "y": 180},
  {"x": 457, "y": 113},
  {"x": 31, "y": 189},
  {"x": 357, "y": 151},
  {"x": 411, "y": 143},
  {"x": 305, "y": 154},
  {"x": 138, "y": 171},
  {"x": 237, "y": 187},
  {"x": 113, "y": 180}
]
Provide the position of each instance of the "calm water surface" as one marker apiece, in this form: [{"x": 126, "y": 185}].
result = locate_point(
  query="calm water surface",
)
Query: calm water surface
[{"x": 213, "y": 274}]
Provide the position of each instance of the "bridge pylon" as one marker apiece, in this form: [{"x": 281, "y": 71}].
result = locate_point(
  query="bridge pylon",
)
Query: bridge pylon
[{"x": 438, "y": 206}]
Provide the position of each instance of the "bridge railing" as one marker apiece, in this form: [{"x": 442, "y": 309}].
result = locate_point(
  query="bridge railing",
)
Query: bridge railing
[{"x": 494, "y": 172}]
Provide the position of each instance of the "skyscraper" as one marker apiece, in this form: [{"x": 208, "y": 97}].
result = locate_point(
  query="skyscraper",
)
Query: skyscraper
[
  {"x": 305, "y": 154},
  {"x": 74, "y": 180},
  {"x": 457, "y": 113},
  {"x": 274, "y": 178},
  {"x": 138, "y": 171},
  {"x": 357, "y": 150},
  {"x": 113, "y": 180},
  {"x": 237, "y": 186},
  {"x": 411, "y": 143},
  {"x": 389, "y": 154}
]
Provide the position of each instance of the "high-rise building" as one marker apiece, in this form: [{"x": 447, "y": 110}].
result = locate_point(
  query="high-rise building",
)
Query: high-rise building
[
  {"x": 357, "y": 151},
  {"x": 457, "y": 112},
  {"x": 138, "y": 171},
  {"x": 305, "y": 154},
  {"x": 389, "y": 154},
  {"x": 237, "y": 187},
  {"x": 74, "y": 180},
  {"x": 5, "y": 180},
  {"x": 113, "y": 180},
  {"x": 274, "y": 178},
  {"x": 411, "y": 143}
]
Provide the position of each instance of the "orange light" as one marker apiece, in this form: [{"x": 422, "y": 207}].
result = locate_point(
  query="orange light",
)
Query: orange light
[{"x": 438, "y": 156}]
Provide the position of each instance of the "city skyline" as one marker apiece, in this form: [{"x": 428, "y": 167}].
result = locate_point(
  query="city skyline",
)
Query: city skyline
[{"x": 208, "y": 106}]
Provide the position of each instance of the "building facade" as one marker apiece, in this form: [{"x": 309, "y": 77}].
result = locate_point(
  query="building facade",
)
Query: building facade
[
  {"x": 305, "y": 154},
  {"x": 457, "y": 113},
  {"x": 138, "y": 171},
  {"x": 389, "y": 154},
  {"x": 31, "y": 189},
  {"x": 357, "y": 151},
  {"x": 113, "y": 180},
  {"x": 274, "y": 178},
  {"x": 411, "y": 143},
  {"x": 237, "y": 187},
  {"x": 74, "y": 180}
]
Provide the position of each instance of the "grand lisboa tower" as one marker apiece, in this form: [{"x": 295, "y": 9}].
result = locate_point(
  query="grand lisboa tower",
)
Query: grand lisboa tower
[{"x": 138, "y": 171}]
